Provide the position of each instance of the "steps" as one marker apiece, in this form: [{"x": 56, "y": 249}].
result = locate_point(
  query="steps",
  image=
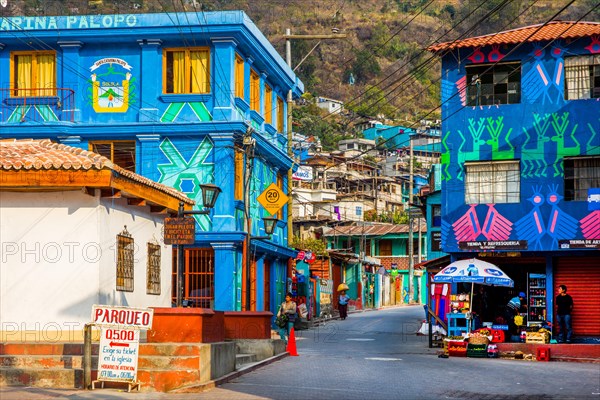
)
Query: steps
[
  {"x": 161, "y": 366},
  {"x": 244, "y": 359}
]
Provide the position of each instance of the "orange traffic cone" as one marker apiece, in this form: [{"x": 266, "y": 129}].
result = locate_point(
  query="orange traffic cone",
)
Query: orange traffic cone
[{"x": 291, "y": 345}]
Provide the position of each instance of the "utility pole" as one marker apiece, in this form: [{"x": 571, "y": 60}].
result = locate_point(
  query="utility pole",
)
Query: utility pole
[{"x": 411, "y": 261}]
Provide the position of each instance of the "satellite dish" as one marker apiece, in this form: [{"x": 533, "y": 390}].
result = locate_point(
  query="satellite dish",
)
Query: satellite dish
[{"x": 3, "y": 3}]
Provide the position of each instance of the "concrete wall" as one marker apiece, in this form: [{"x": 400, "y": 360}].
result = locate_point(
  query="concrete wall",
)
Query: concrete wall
[{"x": 58, "y": 259}]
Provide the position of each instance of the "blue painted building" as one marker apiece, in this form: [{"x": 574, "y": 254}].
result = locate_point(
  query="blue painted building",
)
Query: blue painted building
[
  {"x": 521, "y": 161},
  {"x": 181, "y": 98}
]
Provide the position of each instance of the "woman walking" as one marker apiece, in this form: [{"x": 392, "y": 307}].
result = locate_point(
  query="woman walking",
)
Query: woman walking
[
  {"x": 343, "y": 304},
  {"x": 288, "y": 308}
]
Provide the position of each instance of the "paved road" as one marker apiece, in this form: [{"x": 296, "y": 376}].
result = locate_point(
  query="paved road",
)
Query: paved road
[{"x": 376, "y": 355}]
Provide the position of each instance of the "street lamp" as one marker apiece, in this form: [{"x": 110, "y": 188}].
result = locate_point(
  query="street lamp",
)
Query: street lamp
[
  {"x": 270, "y": 223},
  {"x": 210, "y": 193}
]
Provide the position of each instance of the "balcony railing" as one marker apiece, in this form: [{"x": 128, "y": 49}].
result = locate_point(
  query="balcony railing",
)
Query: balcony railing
[{"x": 41, "y": 105}]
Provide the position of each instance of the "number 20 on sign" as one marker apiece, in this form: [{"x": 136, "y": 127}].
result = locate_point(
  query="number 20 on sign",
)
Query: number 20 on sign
[{"x": 272, "y": 199}]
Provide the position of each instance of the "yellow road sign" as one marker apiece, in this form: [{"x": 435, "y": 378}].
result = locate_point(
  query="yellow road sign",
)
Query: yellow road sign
[{"x": 272, "y": 199}]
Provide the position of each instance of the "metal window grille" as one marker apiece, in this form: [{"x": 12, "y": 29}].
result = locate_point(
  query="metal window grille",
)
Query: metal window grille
[
  {"x": 580, "y": 175},
  {"x": 125, "y": 252},
  {"x": 199, "y": 277},
  {"x": 153, "y": 269}
]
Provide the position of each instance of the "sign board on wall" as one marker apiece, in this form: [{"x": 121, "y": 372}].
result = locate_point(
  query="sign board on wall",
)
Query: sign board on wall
[
  {"x": 118, "y": 354},
  {"x": 180, "y": 230},
  {"x": 120, "y": 341},
  {"x": 303, "y": 173},
  {"x": 494, "y": 245},
  {"x": 122, "y": 317}
]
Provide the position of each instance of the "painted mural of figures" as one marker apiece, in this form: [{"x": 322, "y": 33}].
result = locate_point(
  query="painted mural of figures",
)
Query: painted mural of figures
[
  {"x": 561, "y": 125},
  {"x": 466, "y": 228},
  {"x": 590, "y": 225},
  {"x": 536, "y": 82},
  {"x": 496, "y": 226},
  {"x": 533, "y": 158},
  {"x": 557, "y": 77},
  {"x": 560, "y": 225},
  {"x": 531, "y": 227}
]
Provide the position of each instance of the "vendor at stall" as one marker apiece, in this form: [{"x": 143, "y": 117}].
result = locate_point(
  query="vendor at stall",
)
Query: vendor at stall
[{"x": 512, "y": 309}]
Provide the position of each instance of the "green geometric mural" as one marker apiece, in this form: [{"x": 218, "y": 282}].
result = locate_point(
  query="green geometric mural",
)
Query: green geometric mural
[{"x": 186, "y": 176}]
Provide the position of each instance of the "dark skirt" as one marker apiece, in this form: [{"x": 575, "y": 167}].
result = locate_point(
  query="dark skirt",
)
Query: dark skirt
[{"x": 343, "y": 310}]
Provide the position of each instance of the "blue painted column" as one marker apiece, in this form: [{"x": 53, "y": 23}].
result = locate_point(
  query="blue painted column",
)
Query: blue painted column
[
  {"x": 225, "y": 276},
  {"x": 223, "y": 218},
  {"x": 150, "y": 79},
  {"x": 260, "y": 284},
  {"x": 223, "y": 78},
  {"x": 146, "y": 155},
  {"x": 549, "y": 290},
  {"x": 71, "y": 78}
]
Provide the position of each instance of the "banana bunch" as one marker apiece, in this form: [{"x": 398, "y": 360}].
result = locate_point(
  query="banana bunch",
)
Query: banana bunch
[{"x": 518, "y": 320}]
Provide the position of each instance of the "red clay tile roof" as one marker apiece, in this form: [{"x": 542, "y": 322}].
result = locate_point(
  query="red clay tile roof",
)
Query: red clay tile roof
[
  {"x": 44, "y": 154},
  {"x": 370, "y": 230},
  {"x": 534, "y": 33}
]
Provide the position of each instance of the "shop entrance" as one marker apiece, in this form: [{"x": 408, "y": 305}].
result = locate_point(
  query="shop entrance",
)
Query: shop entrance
[{"x": 489, "y": 301}]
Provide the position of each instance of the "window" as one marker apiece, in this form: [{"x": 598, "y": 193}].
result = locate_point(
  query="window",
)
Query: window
[
  {"x": 492, "y": 182},
  {"x": 581, "y": 174},
  {"x": 239, "y": 76},
  {"x": 494, "y": 84},
  {"x": 268, "y": 104},
  {"x": 358, "y": 210},
  {"x": 186, "y": 71},
  {"x": 280, "y": 114},
  {"x": 125, "y": 261},
  {"x": 436, "y": 214},
  {"x": 385, "y": 247},
  {"x": 121, "y": 152},
  {"x": 239, "y": 174},
  {"x": 33, "y": 74},
  {"x": 254, "y": 91},
  {"x": 582, "y": 77},
  {"x": 153, "y": 269},
  {"x": 436, "y": 241}
]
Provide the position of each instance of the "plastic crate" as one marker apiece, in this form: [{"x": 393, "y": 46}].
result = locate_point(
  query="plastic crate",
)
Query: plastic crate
[
  {"x": 477, "y": 353},
  {"x": 457, "y": 348},
  {"x": 457, "y": 353},
  {"x": 477, "y": 347}
]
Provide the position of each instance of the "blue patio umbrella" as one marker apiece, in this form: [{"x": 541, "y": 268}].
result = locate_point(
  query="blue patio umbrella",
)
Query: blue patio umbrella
[{"x": 474, "y": 271}]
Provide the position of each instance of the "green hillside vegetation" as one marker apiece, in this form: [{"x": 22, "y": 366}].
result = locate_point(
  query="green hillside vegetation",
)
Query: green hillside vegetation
[{"x": 384, "y": 51}]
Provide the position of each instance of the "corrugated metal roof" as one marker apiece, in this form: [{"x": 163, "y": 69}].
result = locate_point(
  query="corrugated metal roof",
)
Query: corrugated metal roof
[
  {"x": 369, "y": 230},
  {"x": 28, "y": 154},
  {"x": 534, "y": 33}
]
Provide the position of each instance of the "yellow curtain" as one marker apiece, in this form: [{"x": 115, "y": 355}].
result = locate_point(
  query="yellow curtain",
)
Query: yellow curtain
[
  {"x": 254, "y": 91},
  {"x": 199, "y": 71},
  {"x": 178, "y": 72},
  {"x": 46, "y": 75},
  {"x": 239, "y": 77},
  {"x": 24, "y": 75},
  {"x": 268, "y": 105}
]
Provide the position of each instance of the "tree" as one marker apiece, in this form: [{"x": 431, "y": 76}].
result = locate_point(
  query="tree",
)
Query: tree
[{"x": 373, "y": 104}]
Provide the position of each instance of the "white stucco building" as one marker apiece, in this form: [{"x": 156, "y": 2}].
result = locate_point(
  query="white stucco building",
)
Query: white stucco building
[{"x": 76, "y": 230}]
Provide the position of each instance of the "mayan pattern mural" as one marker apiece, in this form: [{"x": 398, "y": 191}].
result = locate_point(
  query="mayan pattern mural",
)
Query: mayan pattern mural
[
  {"x": 536, "y": 133},
  {"x": 187, "y": 168}
]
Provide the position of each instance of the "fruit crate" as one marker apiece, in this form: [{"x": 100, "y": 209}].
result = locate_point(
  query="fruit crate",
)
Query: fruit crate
[
  {"x": 457, "y": 349},
  {"x": 537, "y": 338},
  {"x": 477, "y": 350}
]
